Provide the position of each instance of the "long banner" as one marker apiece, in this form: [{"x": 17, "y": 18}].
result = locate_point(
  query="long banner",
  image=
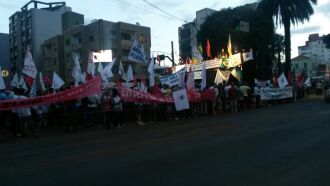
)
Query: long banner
[
  {"x": 275, "y": 93},
  {"x": 130, "y": 95},
  {"x": 91, "y": 87}
]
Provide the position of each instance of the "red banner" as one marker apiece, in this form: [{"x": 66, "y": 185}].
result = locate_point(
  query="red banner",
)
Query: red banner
[
  {"x": 130, "y": 95},
  {"x": 91, "y": 87}
]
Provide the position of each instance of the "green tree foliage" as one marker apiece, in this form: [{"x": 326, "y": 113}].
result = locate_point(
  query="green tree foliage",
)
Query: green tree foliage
[
  {"x": 218, "y": 27},
  {"x": 326, "y": 40},
  {"x": 286, "y": 13}
]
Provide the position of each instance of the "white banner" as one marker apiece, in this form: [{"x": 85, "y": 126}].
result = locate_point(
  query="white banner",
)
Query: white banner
[
  {"x": 102, "y": 56},
  {"x": 137, "y": 53},
  {"x": 275, "y": 93},
  {"x": 170, "y": 80},
  {"x": 29, "y": 67},
  {"x": 208, "y": 65},
  {"x": 181, "y": 99}
]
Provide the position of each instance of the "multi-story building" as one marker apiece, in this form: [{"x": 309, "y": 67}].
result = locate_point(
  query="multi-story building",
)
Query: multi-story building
[
  {"x": 305, "y": 66},
  {"x": 188, "y": 31},
  {"x": 100, "y": 35},
  {"x": 4, "y": 56},
  {"x": 31, "y": 26},
  {"x": 315, "y": 49}
]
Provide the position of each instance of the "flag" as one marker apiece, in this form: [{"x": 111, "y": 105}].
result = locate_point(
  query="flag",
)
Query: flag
[
  {"x": 282, "y": 81},
  {"x": 91, "y": 69},
  {"x": 41, "y": 81},
  {"x": 208, "y": 48},
  {"x": 235, "y": 60},
  {"x": 107, "y": 71},
  {"x": 151, "y": 68},
  {"x": 188, "y": 60},
  {"x": 200, "y": 49},
  {"x": 190, "y": 83},
  {"x": 156, "y": 90},
  {"x": 137, "y": 53},
  {"x": 57, "y": 81},
  {"x": 236, "y": 74},
  {"x": 100, "y": 70},
  {"x": 229, "y": 48},
  {"x": 33, "y": 91},
  {"x": 218, "y": 78},
  {"x": 29, "y": 68},
  {"x": 76, "y": 70},
  {"x": 22, "y": 83},
  {"x": 247, "y": 56},
  {"x": 130, "y": 76},
  {"x": 203, "y": 83},
  {"x": 180, "y": 98},
  {"x": 2, "y": 82},
  {"x": 122, "y": 72},
  {"x": 14, "y": 81},
  {"x": 197, "y": 55}
]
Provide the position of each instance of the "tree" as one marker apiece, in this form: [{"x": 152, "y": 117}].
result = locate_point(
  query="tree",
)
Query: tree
[
  {"x": 326, "y": 41},
  {"x": 287, "y": 12}
]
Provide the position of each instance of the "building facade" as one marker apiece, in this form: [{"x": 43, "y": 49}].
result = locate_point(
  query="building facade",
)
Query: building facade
[
  {"x": 99, "y": 35},
  {"x": 305, "y": 66},
  {"x": 315, "y": 49},
  {"x": 4, "y": 57},
  {"x": 30, "y": 27},
  {"x": 188, "y": 32}
]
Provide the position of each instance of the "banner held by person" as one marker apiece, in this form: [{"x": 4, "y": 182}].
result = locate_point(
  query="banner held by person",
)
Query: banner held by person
[
  {"x": 91, "y": 87},
  {"x": 282, "y": 81},
  {"x": 29, "y": 67},
  {"x": 180, "y": 98}
]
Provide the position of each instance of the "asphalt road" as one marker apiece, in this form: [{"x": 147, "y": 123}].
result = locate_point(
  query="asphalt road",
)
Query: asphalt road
[{"x": 285, "y": 144}]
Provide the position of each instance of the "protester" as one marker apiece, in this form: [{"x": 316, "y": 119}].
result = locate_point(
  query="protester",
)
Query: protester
[
  {"x": 118, "y": 109},
  {"x": 106, "y": 103},
  {"x": 232, "y": 94}
]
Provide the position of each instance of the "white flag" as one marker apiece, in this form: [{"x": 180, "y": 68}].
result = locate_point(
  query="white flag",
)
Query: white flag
[
  {"x": 33, "y": 91},
  {"x": 218, "y": 78},
  {"x": 22, "y": 83},
  {"x": 76, "y": 70},
  {"x": 181, "y": 99},
  {"x": 247, "y": 56},
  {"x": 41, "y": 81},
  {"x": 130, "y": 76},
  {"x": 14, "y": 81},
  {"x": 203, "y": 83},
  {"x": 91, "y": 69},
  {"x": 100, "y": 70},
  {"x": 282, "y": 81},
  {"x": 57, "y": 81},
  {"x": 151, "y": 70},
  {"x": 29, "y": 67},
  {"x": 137, "y": 53},
  {"x": 107, "y": 71},
  {"x": 2, "y": 82},
  {"x": 122, "y": 72},
  {"x": 190, "y": 83}
]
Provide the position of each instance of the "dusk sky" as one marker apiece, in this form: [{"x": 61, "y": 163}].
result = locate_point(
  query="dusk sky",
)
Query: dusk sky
[{"x": 164, "y": 28}]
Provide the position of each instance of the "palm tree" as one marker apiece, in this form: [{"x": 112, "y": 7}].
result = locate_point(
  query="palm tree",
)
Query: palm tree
[{"x": 287, "y": 12}]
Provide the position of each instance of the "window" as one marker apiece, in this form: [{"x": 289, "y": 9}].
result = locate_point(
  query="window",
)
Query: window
[
  {"x": 91, "y": 38},
  {"x": 55, "y": 61},
  {"x": 305, "y": 65},
  {"x": 125, "y": 36},
  {"x": 296, "y": 66},
  {"x": 113, "y": 35},
  {"x": 67, "y": 42}
]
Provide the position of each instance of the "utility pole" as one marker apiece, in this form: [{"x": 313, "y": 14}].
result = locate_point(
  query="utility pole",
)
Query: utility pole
[{"x": 172, "y": 54}]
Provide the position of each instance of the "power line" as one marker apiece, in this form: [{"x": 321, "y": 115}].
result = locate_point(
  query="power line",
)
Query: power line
[
  {"x": 141, "y": 9},
  {"x": 167, "y": 13}
]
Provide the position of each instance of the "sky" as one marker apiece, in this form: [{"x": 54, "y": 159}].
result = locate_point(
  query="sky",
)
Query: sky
[{"x": 164, "y": 28}]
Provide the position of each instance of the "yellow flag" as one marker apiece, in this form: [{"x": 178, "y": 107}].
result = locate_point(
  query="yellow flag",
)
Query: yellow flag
[{"x": 229, "y": 47}]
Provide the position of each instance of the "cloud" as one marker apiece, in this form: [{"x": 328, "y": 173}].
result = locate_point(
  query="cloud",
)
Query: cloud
[
  {"x": 306, "y": 30},
  {"x": 9, "y": 6},
  {"x": 323, "y": 9}
]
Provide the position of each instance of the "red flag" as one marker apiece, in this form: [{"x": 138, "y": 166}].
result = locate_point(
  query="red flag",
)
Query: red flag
[
  {"x": 208, "y": 48},
  {"x": 188, "y": 60},
  {"x": 289, "y": 78},
  {"x": 156, "y": 90},
  {"x": 28, "y": 80}
]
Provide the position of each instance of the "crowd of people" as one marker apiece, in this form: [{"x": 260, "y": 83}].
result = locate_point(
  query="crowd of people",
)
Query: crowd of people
[{"x": 109, "y": 111}]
